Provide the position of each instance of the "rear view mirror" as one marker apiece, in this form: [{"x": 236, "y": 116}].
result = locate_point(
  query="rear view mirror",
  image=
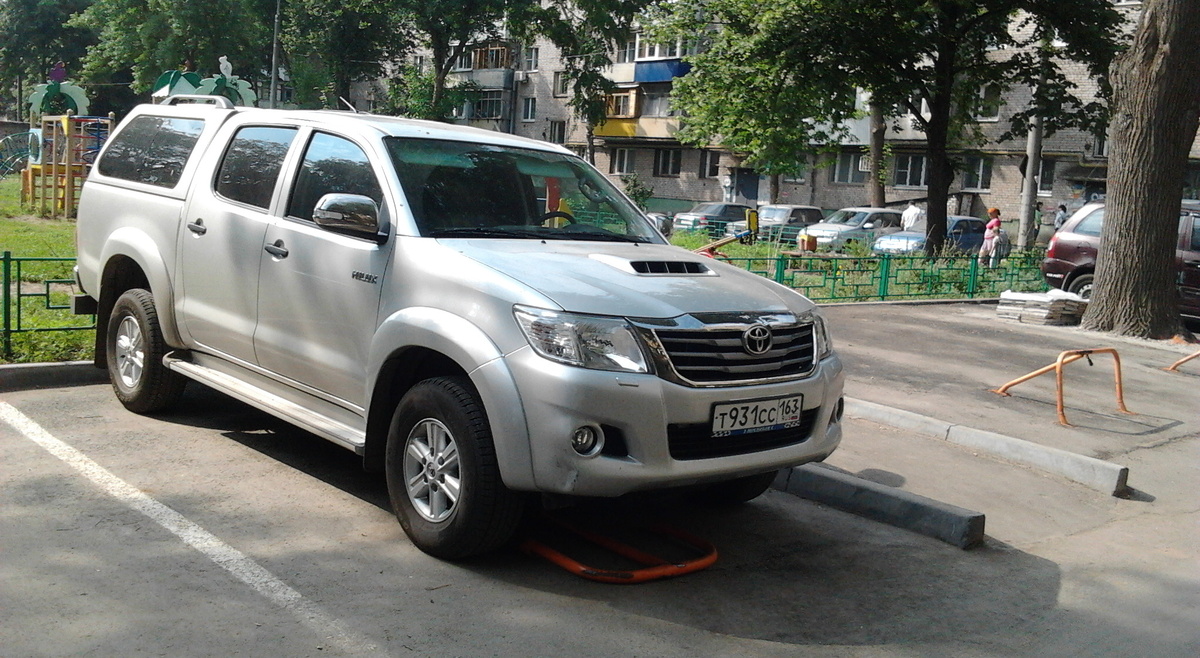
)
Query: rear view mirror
[
  {"x": 869, "y": 225},
  {"x": 350, "y": 214}
]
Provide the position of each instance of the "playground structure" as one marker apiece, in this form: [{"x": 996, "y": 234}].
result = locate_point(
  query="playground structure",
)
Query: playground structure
[
  {"x": 60, "y": 155},
  {"x": 14, "y": 154}
]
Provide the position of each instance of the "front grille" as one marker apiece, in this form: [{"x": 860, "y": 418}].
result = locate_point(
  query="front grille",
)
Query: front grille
[
  {"x": 708, "y": 355},
  {"x": 695, "y": 441}
]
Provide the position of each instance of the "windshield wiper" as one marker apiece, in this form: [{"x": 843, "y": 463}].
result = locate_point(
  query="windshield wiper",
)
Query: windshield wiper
[{"x": 486, "y": 232}]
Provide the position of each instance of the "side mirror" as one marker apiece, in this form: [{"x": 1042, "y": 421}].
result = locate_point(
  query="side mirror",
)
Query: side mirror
[
  {"x": 869, "y": 225},
  {"x": 350, "y": 214}
]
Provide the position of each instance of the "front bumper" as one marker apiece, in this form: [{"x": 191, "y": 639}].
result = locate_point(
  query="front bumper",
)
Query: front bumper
[{"x": 637, "y": 412}]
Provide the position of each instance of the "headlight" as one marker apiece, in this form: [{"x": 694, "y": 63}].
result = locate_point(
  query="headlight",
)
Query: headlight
[
  {"x": 587, "y": 341},
  {"x": 822, "y": 343}
]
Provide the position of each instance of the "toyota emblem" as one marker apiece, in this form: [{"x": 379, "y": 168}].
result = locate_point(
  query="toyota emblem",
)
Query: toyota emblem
[{"x": 757, "y": 340}]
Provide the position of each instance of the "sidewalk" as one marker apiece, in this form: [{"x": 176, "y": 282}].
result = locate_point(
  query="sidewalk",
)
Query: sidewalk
[{"x": 932, "y": 367}]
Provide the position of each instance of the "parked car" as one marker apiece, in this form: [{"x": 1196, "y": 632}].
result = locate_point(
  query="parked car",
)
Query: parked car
[
  {"x": 424, "y": 295},
  {"x": 1070, "y": 262},
  {"x": 962, "y": 234},
  {"x": 849, "y": 225},
  {"x": 780, "y": 222},
  {"x": 711, "y": 217}
]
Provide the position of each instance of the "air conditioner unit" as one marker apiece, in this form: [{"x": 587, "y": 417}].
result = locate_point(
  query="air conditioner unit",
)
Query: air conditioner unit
[{"x": 521, "y": 76}]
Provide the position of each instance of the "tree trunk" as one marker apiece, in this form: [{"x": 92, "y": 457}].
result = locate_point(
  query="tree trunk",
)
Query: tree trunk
[
  {"x": 1156, "y": 108},
  {"x": 878, "y": 132}
]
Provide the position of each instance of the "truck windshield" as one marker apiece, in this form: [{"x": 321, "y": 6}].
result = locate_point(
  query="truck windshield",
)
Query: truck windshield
[{"x": 465, "y": 189}]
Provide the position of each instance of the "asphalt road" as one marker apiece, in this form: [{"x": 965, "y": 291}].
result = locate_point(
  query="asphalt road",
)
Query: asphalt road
[{"x": 217, "y": 530}]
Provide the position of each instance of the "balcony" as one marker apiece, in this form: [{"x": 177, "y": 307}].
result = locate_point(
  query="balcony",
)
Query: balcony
[
  {"x": 663, "y": 70},
  {"x": 643, "y": 127}
]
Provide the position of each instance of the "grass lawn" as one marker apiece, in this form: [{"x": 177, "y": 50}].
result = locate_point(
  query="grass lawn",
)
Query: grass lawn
[{"x": 44, "y": 286}]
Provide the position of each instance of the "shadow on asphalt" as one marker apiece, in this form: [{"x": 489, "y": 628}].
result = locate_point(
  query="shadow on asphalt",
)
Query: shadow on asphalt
[{"x": 790, "y": 571}]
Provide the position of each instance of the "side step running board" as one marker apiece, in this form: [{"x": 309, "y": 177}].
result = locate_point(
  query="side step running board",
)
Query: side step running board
[{"x": 254, "y": 396}]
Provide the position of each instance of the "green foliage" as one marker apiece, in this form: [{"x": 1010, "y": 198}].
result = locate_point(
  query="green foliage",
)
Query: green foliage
[
  {"x": 636, "y": 190},
  {"x": 33, "y": 37},
  {"x": 152, "y": 36},
  {"x": 332, "y": 43},
  {"x": 410, "y": 93}
]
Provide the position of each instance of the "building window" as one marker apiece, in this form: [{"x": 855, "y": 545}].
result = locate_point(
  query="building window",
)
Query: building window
[
  {"x": 621, "y": 105},
  {"x": 1046, "y": 177},
  {"x": 418, "y": 62},
  {"x": 489, "y": 105},
  {"x": 647, "y": 49},
  {"x": 557, "y": 132},
  {"x": 464, "y": 60},
  {"x": 560, "y": 83},
  {"x": 851, "y": 168},
  {"x": 910, "y": 171},
  {"x": 989, "y": 103},
  {"x": 621, "y": 161},
  {"x": 710, "y": 164},
  {"x": 977, "y": 173},
  {"x": 531, "y": 59},
  {"x": 657, "y": 103},
  {"x": 528, "y": 109},
  {"x": 492, "y": 57},
  {"x": 667, "y": 162},
  {"x": 626, "y": 51}
]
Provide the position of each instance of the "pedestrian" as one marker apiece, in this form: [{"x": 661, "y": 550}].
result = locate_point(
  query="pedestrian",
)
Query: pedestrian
[
  {"x": 911, "y": 216},
  {"x": 992, "y": 230},
  {"x": 1060, "y": 217}
]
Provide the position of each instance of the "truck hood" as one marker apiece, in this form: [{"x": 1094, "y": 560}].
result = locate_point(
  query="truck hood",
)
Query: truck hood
[{"x": 630, "y": 280}]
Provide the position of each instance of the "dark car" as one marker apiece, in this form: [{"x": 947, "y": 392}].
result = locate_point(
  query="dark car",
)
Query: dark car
[
  {"x": 1070, "y": 262},
  {"x": 963, "y": 234},
  {"x": 711, "y": 217}
]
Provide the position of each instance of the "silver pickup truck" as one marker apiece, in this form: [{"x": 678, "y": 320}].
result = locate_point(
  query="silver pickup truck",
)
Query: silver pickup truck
[{"x": 477, "y": 315}]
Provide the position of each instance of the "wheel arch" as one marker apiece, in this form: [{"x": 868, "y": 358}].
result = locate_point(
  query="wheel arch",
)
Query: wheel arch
[
  {"x": 415, "y": 344},
  {"x": 131, "y": 260}
]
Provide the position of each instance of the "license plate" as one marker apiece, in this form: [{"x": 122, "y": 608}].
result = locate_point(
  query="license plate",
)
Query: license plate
[{"x": 735, "y": 418}]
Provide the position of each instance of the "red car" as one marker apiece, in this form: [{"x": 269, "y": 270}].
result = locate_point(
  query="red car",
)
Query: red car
[{"x": 1070, "y": 261}]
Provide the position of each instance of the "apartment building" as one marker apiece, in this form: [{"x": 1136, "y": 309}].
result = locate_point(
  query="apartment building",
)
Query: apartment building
[{"x": 523, "y": 90}]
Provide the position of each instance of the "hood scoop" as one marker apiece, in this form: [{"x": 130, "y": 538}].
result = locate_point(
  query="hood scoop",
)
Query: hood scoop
[{"x": 656, "y": 267}]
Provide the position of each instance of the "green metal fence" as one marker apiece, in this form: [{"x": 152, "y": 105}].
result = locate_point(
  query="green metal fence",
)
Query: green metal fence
[
  {"x": 37, "y": 291},
  {"x": 37, "y": 297},
  {"x": 839, "y": 278}
]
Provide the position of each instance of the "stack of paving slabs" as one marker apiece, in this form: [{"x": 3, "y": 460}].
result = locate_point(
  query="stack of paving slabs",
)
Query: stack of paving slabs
[{"x": 1055, "y": 307}]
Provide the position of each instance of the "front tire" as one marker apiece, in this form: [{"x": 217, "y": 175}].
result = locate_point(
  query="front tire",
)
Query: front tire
[
  {"x": 442, "y": 473},
  {"x": 135, "y": 355}
]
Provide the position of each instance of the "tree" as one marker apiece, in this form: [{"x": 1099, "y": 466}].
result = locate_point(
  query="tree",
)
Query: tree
[
  {"x": 1156, "y": 112},
  {"x": 33, "y": 37},
  {"x": 586, "y": 33},
  {"x": 332, "y": 43},
  {"x": 152, "y": 36},
  {"x": 447, "y": 28},
  {"x": 781, "y": 79}
]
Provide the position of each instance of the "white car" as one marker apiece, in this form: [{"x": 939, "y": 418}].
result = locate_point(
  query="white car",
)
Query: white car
[{"x": 850, "y": 225}]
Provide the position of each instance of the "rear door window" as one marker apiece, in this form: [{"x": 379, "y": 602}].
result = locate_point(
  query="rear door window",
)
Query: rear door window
[
  {"x": 1091, "y": 224},
  {"x": 251, "y": 165},
  {"x": 151, "y": 150}
]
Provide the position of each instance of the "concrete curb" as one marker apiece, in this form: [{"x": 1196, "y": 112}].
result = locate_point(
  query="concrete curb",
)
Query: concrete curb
[
  {"x": 824, "y": 484},
  {"x": 1105, "y": 477},
  {"x": 24, "y": 376}
]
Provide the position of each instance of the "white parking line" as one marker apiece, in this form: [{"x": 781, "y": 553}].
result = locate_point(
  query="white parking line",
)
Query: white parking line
[{"x": 227, "y": 557}]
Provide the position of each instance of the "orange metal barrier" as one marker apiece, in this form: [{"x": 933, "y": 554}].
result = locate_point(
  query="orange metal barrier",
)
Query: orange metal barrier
[
  {"x": 1174, "y": 367},
  {"x": 656, "y": 568},
  {"x": 1070, "y": 356}
]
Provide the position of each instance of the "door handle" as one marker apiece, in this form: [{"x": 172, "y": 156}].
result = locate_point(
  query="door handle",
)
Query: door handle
[
  {"x": 277, "y": 249},
  {"x": 197, "y": 227}
]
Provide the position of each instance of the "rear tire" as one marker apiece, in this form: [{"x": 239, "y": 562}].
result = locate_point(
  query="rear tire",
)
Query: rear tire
[
  {"x": 1082, "y": 286},
  {"x": 135, "y": 355},
  {"x": 442, "y": 473}
]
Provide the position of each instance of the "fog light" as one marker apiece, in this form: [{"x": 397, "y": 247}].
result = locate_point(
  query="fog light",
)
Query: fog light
[
  {"x": 839, "y": 410},
  {"x": 585, "y": 440}
]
